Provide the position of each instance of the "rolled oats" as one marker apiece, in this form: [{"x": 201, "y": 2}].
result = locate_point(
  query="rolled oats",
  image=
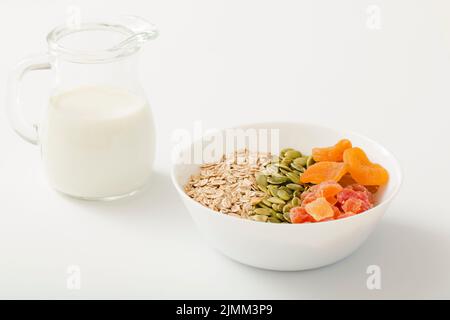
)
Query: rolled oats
[{"x": 229, "y": 185}]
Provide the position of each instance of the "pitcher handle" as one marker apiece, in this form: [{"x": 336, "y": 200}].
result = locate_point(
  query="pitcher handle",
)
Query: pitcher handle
[{"x": 19, "y": 123}]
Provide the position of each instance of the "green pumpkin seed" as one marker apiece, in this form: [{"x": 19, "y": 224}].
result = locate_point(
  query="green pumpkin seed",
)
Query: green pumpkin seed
[
  {"x": 301, "y": 162},
  {"x": 294, "y": 186},
  {"x": 278, "y": 175},
  {"x": 277, "y": 179},
  {"x": 263, "y": 211},
  {"x": 296, "y": 167},
  {"x": 282, "y": 194},
  {"x": 286, "y": 162},
  {"x": 273, "y": 220},
  {"x": 283, "y": 151},
  {"x": 260, "y": 218},
  {"x": 279, "y": 216},
  {"x": 263, "y": 189},
  {"x": 295, "y": 202},
  {"x": 297, "y": 194},
  {"x": 261, "y": 180},
  {"x": 255, "y": 201},
  {"x": 292, "y": 154},
  {"x": 282, "y": 166},
  {"x": 272, "y": 190},
  {"x": 271, "y": 169},
  {"x": 262, "y": 205},
  {"x": 309, "y": 162},
  {"x": 287, "y": 190},
  {"x": 287, "y": 208},
  {"x": 287, "y": 216},
  {"x": 266, "y": 202},
  {"x": 277, "y": 208},
  {"x": 276, "y": 200},
  {"x": 293, "y": 177}
]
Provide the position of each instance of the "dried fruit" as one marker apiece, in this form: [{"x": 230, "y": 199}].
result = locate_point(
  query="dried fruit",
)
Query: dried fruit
[
  {"x": 355, "y": 199},
  {"x": 329, "y": 201},
  {"x": 355, "y": 191},
  {"x": 354, "y": 205},
  {"x": 364, "y": 171},
  {"x": 324, "y": 171},
  {"x": 319, "y": 209},
  {"x": 334, "y": 153},
  {"x": 329, "y": 189},
  {"x": 299, "y": 215},
  {"x": 346, "y": 180}
]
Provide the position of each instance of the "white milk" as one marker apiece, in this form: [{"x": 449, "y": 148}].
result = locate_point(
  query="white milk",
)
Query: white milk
[{"x": 97, "y": 142}]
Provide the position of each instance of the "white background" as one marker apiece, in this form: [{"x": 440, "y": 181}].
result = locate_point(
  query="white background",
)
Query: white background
[{"x": 224, "y": 63}]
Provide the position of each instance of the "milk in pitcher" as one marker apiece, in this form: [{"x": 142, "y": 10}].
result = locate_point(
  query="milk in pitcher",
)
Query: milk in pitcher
[{"x": 98, "y": 142}]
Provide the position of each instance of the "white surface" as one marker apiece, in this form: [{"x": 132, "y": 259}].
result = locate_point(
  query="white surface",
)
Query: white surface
[
  {"x": 225, "y": 62},
  {"x": 291, "y": 247}
]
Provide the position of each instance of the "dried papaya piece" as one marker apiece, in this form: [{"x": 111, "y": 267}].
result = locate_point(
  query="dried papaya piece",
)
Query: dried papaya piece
[
  {"x": 364, "y": 171},
  {"x": 320, "y": 209},
  {"x": 324, "y": 171},
  {"x": 299, "y": 215},
  {"x": 355, "y": 205},
  {"x": 333, "y": 153},
  {"x": 329, "y": 189},
  {"x": 332, "y": 200}
]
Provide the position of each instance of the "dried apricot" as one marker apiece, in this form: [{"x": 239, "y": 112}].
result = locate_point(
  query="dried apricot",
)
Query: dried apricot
[
  {"x": 364, "y": 171},
  {"x": 347, "y": 180},
  {"x": 324, "y": 171},
  {"x": 334, "y": 153}
]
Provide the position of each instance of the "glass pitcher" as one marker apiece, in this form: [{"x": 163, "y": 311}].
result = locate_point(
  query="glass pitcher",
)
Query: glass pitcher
[{"x": 96, "y": 136}]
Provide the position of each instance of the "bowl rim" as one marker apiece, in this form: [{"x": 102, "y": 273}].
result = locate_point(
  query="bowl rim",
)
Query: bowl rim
[{"x": 361, "y": 215}]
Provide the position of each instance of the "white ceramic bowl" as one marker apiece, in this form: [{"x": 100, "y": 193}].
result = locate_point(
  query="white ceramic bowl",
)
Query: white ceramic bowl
[{"x": 292, "y": 247}]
